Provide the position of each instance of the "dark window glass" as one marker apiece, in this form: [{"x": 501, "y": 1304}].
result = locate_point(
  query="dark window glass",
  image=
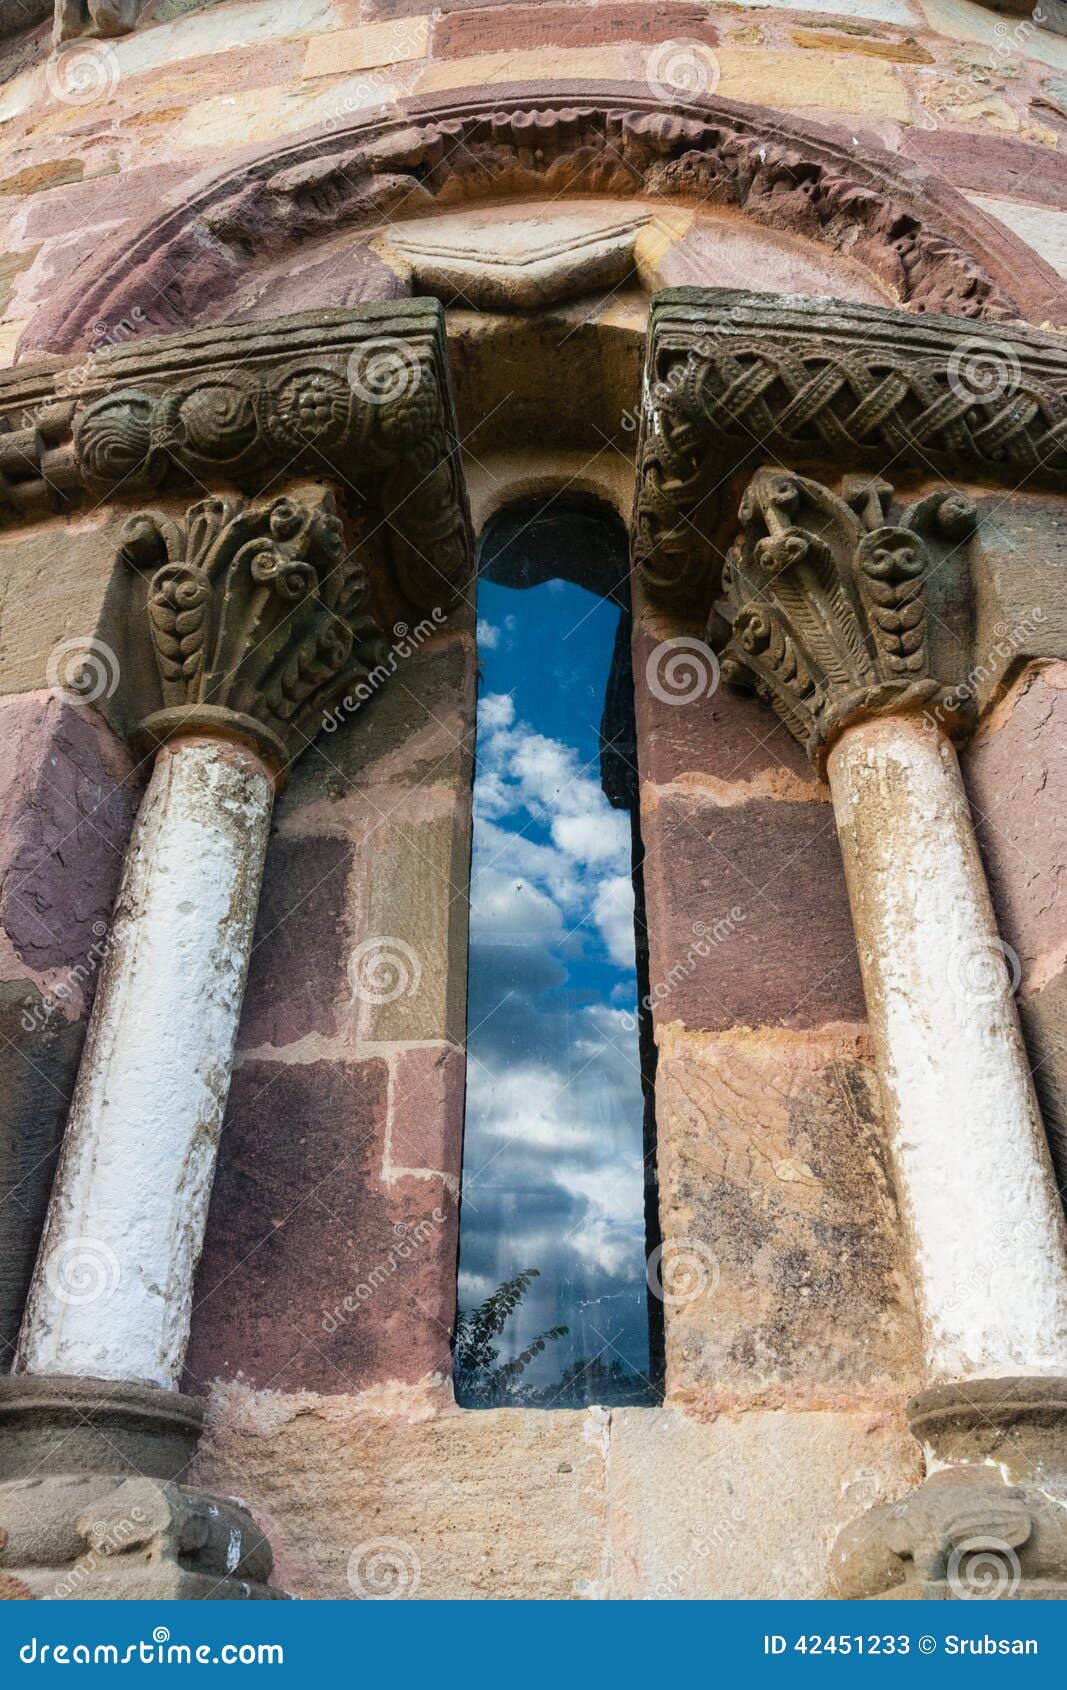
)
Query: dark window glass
[{"x": 552, "y": 1283}]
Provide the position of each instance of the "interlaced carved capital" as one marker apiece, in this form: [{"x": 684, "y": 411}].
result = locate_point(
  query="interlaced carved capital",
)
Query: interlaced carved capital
[
  {"x": 823, "y": 611},
  {"x": 258, "y": 618}
]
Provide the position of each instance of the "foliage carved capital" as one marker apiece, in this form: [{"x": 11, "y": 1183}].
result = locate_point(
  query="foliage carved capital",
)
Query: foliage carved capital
[
  {"x": 258, "y": 619},
  {"x": 823, "y": 611}
]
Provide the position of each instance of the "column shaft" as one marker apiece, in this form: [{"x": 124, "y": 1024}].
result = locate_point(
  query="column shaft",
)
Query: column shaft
[
  {"x": 972, "y": 1160},
  {"x": 112, "y": 1290}
]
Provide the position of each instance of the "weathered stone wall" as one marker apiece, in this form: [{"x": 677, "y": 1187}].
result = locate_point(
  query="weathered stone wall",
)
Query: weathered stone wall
[
  {"x": 325, "y": 1296},
  {"x": 979, "y": 97}
]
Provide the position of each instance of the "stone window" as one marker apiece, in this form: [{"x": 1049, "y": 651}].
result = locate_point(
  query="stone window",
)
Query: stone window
[{"x": 553, "y": 1248}]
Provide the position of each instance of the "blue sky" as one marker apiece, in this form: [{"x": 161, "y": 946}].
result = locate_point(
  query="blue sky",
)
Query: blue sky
[{"x": 552, "y": 1169}]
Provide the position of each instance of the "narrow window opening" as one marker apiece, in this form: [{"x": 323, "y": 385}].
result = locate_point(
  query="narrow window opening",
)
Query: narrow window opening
[{"x": 559, "y": 1203}]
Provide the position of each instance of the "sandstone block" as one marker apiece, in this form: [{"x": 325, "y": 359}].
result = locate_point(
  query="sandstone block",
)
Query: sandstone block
[
  {"x": 297, "y": 980},
  {"x": 760, "y": 889},
  {"x": 340, "y": 50},
  {"x": 783, "y": 1262},
  {"x": 747, "y": 1507},
  {"x": 320, "y": 1273}
]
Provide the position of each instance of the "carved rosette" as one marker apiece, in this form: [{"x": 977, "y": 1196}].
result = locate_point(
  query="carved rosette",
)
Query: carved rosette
[
  {"x": 823, "y": 611},
  {"x": 257, "y": 616},
  {"x": 373, "y": 416}
]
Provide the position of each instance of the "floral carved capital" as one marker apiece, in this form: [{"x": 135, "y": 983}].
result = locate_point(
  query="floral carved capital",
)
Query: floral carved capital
[
  {"x": 257, "y": 615},
  {"x": 823, "y": 611}
]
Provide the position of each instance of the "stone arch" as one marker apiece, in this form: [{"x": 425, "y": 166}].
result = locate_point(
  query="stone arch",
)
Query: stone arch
[{"x": 928, "y": 245}]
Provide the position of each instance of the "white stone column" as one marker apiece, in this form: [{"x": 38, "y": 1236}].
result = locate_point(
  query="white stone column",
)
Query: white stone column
[
  {"x": 972, "y": 1160},
  {"x": 112, "y": 1290}
]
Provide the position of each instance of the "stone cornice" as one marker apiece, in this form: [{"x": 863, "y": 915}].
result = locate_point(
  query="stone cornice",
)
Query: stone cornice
[
  {"x": 925, "y": 242},
  {"x": 736, "y": 379},
  {"x": 362, "y": 397}
]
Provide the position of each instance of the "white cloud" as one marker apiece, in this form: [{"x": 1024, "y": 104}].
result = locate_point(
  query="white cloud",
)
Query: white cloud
[
  {"x": 506, "y": 909},
  {"x": 595, "y": 837},
  {"x": 496, "y": 710},
  {"x": 613, "y": 912},
  {"x": 488, "y": 637}
]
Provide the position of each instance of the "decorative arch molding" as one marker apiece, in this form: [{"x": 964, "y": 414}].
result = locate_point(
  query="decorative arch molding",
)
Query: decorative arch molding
[{"x": 908, "y": 226}]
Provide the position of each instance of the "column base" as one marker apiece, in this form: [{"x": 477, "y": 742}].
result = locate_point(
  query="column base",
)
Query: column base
[
  {"x": 90, "y": 1509},
  {"x": 991, "y": 1521}
]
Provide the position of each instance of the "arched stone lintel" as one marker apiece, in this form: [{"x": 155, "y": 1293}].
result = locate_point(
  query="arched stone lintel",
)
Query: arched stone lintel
[{"x": 913, "y": 230}]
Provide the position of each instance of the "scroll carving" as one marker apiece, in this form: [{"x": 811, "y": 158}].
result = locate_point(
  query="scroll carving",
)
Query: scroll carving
[
  {"x": 258, "y": 617},
  {"x": 823, "y": 611}
]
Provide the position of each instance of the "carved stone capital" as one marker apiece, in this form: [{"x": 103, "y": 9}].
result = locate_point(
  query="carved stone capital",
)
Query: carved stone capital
[
  {"x": 258, "y": 618},
  {"x": 94, "y": 17},
  {"x": 991, "y": 1522},
  {"x": 92, "y": 1505},
  {"x": 361, "y": 397},
  {"x": 733, "y": 379},
  {"x": 823, "y": 611}
]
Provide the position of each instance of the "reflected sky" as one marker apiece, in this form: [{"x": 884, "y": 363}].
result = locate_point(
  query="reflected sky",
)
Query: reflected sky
[{"x": 553, "y": 1170}]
